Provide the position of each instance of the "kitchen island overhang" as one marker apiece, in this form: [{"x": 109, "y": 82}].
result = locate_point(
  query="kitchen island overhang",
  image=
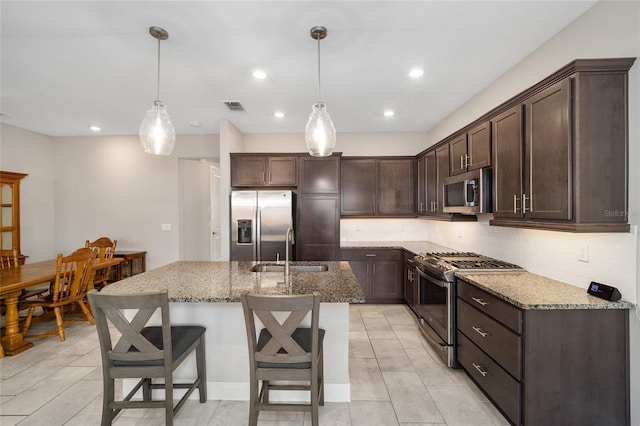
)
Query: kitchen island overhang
[{"x": 208, "y": 293}]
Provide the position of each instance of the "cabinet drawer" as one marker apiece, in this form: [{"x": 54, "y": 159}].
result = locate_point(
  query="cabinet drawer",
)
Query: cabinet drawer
[
  {"x": 505, "y": 313},
  {"x": 499, "y": 342},
  {"x": 372, "y": 254},
  {"x": 503, "y": 389}
]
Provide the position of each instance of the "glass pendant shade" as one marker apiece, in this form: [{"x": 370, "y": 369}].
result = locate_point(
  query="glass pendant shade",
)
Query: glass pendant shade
[
  {"x": 157, "y": 134},
  {"x": 320, "y": 133}
]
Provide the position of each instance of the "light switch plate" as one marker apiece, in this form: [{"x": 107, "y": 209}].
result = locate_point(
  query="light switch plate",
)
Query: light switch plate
[{"x": 165, "y": 227}]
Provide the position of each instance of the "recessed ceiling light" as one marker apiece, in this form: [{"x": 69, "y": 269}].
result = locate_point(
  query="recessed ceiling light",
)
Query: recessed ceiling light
[
  {"x": 259, "y": 75},
  {"x": 416, "y": 72},
  {"x": 389, "y": 113},
  {"x": 194, "y": 123},
  {"x": 95, "y": 128},
  {"x": 278, "y": 114}
]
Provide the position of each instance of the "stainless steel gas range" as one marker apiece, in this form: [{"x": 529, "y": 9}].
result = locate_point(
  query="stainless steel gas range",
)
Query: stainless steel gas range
[{"x": 436, "y": 304}]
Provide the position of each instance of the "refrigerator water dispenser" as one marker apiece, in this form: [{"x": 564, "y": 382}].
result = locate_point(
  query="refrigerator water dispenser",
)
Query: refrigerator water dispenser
[{"x": 244, "y": 231}]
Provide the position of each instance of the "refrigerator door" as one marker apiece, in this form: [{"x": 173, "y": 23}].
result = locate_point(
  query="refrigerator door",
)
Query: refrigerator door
[
  {"x": 244, "y": 241},
  {"x": 275, "y": 215}
]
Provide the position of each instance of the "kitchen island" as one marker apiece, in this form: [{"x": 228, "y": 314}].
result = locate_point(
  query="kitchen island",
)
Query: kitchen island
[{"x": 208, "y": 293}]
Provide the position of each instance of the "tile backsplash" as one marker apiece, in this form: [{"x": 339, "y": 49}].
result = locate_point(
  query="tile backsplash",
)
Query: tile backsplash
[{"x": 576, "y": 259}]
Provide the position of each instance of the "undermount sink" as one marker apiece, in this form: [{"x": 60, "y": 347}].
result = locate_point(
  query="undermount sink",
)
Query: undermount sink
[{"x": 272, "y": 267}]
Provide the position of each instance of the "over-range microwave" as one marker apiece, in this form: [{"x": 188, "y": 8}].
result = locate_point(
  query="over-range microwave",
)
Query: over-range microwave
[{"x": 468, "y": 193}]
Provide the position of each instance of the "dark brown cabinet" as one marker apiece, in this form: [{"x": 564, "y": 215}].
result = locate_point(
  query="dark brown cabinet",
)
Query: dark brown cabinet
[
  {"x": 318, "y": 236},
  {"x": 410, "y": 292},
  {"x": 560, "y": 155},
  {"x": 508, "y": 145},
  {"x": 431, "y": 186},
  {"x": 319, "y": 175},
  {"x": 421, "y": 190},
  {"x": 378, "y": 187},
  {"x": 551, "y": 366},
  {"x": 442, "y": 172},
  {"x": 379, "y": 272},
  {"x": 471, "y": 150},
  {"x": 318, "y": 208},
  {"x": 249, "y": 170}
]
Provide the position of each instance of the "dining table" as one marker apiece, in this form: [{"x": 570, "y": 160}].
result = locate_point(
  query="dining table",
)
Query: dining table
[{"x": 16, "y": 279}]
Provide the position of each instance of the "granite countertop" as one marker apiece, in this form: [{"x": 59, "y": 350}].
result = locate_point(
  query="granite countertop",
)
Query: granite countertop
[
  {"x": 416, "y": 247},
  {"x": 530, "y": 291},
  {"x": 224, "y": 282}
]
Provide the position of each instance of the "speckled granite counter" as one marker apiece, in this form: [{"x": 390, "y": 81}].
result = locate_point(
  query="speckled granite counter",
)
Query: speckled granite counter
[
  {"x": 189, "y": 281},
  {"x": 530, "y": 291},
  {"x": 416, "y": 247}
]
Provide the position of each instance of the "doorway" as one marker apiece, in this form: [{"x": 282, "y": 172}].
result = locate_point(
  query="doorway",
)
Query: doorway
[{"x": 200, "y": 237}]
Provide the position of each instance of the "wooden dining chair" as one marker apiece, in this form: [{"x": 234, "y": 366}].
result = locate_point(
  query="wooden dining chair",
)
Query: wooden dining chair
[
  {"x": 73, "y": 275},
  {"x": 9, "y": 261},
  {"x": 144, "y": 352},
  {"x": 104, "y": 248},
  {"x": 284, "y": 355}
]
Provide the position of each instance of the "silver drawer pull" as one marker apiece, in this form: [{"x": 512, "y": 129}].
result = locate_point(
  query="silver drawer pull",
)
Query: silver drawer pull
[
  {"x": 370, "y": 255},
  {"x": 479, "y": 331},
  {"x": 480, "y": 301},
  {"x": 480, "y": 369}
]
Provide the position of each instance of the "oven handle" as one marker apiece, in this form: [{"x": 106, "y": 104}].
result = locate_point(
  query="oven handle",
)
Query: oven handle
[{"x": 432, "y": 280}]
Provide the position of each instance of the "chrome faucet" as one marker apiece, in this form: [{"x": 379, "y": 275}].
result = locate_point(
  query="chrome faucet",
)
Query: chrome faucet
[{"x": 289, "y": 236}]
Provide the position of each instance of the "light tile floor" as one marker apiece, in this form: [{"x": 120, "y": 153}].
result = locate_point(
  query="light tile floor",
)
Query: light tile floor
[{"x": 396, "y": 379}]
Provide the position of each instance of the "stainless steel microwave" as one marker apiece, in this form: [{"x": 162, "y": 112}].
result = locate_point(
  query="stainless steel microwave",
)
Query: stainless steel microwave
[{"x": 468, "y": 193}]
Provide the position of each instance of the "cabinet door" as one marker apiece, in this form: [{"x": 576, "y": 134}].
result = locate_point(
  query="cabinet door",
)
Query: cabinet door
[
  {"x": 282, "y": 171},
  {"x": 458, "y": 158},
  {"x": 395, "y": 187},
  {"x": 358, "y": 187},
  {"x": 318, "y": 230},
  {"x": 507, "y": 163},
  {"x": 442, "y": 162},
  {"x": 386, "y": 279},
  {"x": 431, "y": 184},
  {"x": 410, "y": 289},
  {"x": 359, "y": 260},
  {"x": 548, "y": 154},
  {"x": 248, "y": 170},
  {"x": 421, "y": 181},
  {"x": 319, "y": 175},
  {"x": 479, "y": 146}
]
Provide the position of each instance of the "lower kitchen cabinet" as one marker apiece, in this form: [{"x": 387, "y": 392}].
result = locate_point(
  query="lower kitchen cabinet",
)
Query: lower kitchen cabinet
[
  {"x": 379, "y": 272},
  {"x": 410, "y": 280},
  {"x": 545, "y": 366}
]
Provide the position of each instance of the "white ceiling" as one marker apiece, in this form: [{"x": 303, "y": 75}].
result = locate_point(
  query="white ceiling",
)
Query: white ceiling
[{"x": 69, "y": 64}]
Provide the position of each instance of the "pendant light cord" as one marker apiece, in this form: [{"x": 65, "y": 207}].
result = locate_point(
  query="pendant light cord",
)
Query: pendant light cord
[
  {"x": 158, "y": 87},
  {"x": 319, "y": 82}
]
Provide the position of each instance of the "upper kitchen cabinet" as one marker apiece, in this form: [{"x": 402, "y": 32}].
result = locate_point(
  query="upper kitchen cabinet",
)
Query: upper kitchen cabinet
[
  {"x": 319, "y": 175},
  {"x": 10, "y": 218},
  {"x": 248, "y": 170},
  {"x": 378, "y": 187},
  {"x": 421, "y": 190},
  {"x": 471, "y": 150},
  {"x": 567, "y": 170}
]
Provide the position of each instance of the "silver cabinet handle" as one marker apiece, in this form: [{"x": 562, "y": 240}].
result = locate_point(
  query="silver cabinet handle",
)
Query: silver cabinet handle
[
  {"x": 524, "y": 203},
  {"x": 480, "y": 369},
  {"x": 479, "y": 331},
  {"x": 480, "y": 301},
  {"x": 515, "y": 200},
  {"x": 370, "y": 255},
  {"x": 467, "y": 160},
  {"x": 462, "y": 161}
]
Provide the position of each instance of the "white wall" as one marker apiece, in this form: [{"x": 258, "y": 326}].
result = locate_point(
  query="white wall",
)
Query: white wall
[
  {"x": 27, "y": 152},
  {"x": 107, "y": 186},
  {"x": 356, "y": 144}
]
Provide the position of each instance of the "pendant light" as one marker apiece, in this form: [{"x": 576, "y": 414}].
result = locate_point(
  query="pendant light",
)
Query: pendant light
[
  {"x": 320, "y": 133},
  {"x": 157, "y": 134}
]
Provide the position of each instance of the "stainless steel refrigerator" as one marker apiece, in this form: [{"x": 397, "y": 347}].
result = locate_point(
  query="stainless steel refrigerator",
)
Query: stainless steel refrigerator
[{"x": 259, "y": 222}]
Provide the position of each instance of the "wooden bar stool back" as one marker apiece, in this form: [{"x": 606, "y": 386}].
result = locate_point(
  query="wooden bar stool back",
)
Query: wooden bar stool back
[
  {"x": 144, "y": 352},
  {"x": 104, "y": 248},
  {"x": 286, "y": 354},
  {"x": 9, "y": 261}
]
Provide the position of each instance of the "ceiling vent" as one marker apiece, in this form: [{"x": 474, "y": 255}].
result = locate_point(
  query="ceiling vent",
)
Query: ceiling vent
[{"x": 234, "y": 105}]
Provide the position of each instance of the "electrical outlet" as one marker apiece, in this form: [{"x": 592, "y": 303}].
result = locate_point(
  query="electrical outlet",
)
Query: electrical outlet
[
  {"x": 165, "y": 227},
  {"x": 583, "y": 253}
]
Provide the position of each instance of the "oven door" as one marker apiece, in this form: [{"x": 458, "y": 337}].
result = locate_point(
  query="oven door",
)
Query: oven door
[{"x": 435, "y": 308}]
